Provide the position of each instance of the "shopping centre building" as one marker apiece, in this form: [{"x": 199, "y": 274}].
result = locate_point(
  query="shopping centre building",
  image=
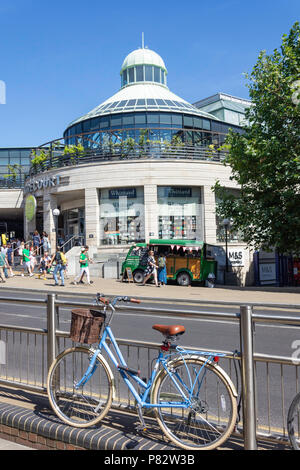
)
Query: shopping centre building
[{"x": 140, "y": 165}]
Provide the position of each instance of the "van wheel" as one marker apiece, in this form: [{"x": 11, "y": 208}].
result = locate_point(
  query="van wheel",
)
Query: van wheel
[
  {"x": 183, "y": 279},
  {"x": 138, "y": 276}
]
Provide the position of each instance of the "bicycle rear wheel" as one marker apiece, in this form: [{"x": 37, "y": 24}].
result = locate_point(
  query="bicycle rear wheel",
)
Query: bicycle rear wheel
[
  {"x": 203, "y": 415},
  {"x": 87, "y": 405},
  {"x": 293, "y": 422}
]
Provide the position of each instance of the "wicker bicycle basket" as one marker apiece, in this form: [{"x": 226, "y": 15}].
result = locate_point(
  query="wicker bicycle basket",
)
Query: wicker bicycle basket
[{"x": 86, "y": 325}]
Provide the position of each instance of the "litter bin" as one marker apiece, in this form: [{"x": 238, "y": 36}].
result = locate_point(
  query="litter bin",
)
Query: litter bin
[{"x": 211, "y": 279}]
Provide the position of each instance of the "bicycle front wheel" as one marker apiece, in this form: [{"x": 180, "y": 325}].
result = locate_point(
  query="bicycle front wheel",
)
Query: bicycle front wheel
[
  {"x": 84, "y": 406},
  {"x": 293, "y": 422},
  {"x": 200, "y": 407}
]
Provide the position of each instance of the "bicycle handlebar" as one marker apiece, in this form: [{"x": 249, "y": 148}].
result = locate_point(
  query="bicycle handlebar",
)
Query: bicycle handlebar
[{"x": 107, "y": 301}]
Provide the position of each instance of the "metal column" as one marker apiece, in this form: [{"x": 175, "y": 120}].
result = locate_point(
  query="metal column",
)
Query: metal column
[
  {"x": 248, "y": 379},
  {"x": 51, "y": 328}
]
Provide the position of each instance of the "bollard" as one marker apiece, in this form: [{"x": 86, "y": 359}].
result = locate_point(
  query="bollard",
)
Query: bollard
[
  {"x": 51, "y": 329},
  {"x": 248, "y": 380}
]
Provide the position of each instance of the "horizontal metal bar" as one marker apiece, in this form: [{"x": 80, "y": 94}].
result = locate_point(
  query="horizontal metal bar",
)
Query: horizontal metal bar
[{"x": 24, "y": 329}]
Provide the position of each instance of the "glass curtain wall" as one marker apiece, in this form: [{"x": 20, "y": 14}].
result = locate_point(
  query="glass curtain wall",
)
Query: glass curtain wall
[
  {"x": 180, "y": 213},
  {"x": 122, "y": 219}
]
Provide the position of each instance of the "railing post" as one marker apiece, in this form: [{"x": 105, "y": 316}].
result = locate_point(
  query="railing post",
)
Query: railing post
[
  {"x": 51, "y": 329},
  {"x": 248, "y": 380}
]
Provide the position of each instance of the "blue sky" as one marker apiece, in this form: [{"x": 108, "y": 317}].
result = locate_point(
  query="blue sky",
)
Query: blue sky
[{"x": 60, "y": 59}]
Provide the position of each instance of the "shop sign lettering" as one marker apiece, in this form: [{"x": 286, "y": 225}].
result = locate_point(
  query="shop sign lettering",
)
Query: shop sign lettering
[
  {"x": 177, "y": 192},
  {"x": 121, "y": 192},
  {"x": 236, "y": 257},
  {"x": 43, "y": 183}
]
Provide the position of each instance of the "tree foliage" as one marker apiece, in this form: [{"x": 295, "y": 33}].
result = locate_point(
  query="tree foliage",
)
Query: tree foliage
[{"x": 265, "y": 159}]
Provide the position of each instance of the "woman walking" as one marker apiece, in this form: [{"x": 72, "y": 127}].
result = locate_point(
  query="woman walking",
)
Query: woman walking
[
  {"x": 151, "y": 269},
  {"x": 162, "y": 270}
]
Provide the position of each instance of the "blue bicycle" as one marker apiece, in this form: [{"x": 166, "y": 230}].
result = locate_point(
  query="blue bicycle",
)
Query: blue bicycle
[{"x": 193, "y": 398}]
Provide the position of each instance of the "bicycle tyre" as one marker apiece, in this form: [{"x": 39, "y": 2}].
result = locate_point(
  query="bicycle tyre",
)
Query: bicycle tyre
[
  {"x": 188, "y": 427},
  {"x": 293, "y": 422},
  {"x": 89, "y": 404}
]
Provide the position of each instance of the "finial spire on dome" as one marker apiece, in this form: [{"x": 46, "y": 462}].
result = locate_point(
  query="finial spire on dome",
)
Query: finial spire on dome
[{"x": 142, "y": 40}]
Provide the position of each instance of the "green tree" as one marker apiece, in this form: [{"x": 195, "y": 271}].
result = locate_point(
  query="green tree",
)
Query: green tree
[{"x": 265, "y": 160}]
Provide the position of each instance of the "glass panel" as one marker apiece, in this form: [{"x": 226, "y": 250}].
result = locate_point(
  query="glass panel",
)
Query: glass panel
[
  {"x": 86, "y": 125},
  {"x": 14, "y": 160},
  {"x": 95, "y": 123},
  {"x": 160, "y": 102},
  {"x": 179, "y": 212},
  {"x": 140, "y": 118},
  {"x": 141, "y": 102},
  {"x": 131, "y": 103},
  {"x": 139, "y": 71},
  {"x": 206, "y": 124},
  {"x": 198, "y": 123},
  {"x": 131, "y": 74},
  {"x": 153, "y": 118},
  {"x": 128, "y": 119},
  {"x": 121, "y": 104},
  {"x": 122, "y": 218},
  {"x": 116, "y": 120},
  {"x": 3, "y": 157},
  {"x": 165, "y": 118},
  {"x": 124, "y": 78},
  {"x": 104, "y": 122},
  {"x": 157, "y": 74},
  {"x": 148, "y": 73},
  {"x": 78, "y": 128},
  {"x": 188, "y": 121},
  {"x": 114, "y": 104},
  {"x": 151, "y": 102},
  {"x": 177, "y": 119},
  {"x": 181, "y": 105}
]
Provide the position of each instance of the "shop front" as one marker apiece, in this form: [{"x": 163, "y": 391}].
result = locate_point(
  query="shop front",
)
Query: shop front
[
  {"x": 179, "y": 213},
  {"x": 122, "y": 218}
]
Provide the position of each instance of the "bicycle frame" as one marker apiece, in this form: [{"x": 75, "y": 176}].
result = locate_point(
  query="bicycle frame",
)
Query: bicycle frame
[{"x": 120, "y": 364}]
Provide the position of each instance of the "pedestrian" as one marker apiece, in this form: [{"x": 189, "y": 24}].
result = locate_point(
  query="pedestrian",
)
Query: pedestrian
[
  {"x": 151, "y": 269},
  {"x": 162, "y": 270},
  {"x": 60, "y": 260},
  {"x": 2, "y": 265},
  {"x": 20, "y": 252},
  {"x": 4, "y": 253},
  {"x": 26, "y": 260},
  {"x": 84, "y": 265},
  {"x": 44, "y": 265},
  {"x": 10, "y": 258},
  {"x": 36, "y": 240},
  {"x": 45, "y": 242},
  {"x": 32, "y": 257}
]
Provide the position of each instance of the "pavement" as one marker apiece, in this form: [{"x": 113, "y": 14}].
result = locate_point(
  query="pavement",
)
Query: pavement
[
  {"x": 220, "y": 293},
  {"x": 26, "y": 422}
]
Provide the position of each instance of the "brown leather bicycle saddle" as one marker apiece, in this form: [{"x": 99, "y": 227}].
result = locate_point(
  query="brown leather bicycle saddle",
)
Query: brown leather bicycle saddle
[{"x": 169, "y": 330}]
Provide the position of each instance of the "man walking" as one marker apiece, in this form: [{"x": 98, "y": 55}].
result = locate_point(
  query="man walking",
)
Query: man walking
[{"x": 60, "y": 266}]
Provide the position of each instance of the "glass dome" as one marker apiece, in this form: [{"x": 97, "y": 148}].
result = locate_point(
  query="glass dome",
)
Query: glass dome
[{"x": 143, "y": 65}]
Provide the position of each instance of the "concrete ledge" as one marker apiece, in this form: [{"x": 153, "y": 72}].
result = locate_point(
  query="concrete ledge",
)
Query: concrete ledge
[{"x": 35, "y": 425}]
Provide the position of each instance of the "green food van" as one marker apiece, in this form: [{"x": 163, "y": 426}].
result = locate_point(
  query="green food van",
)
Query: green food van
[{"x": 187, "y": 260}]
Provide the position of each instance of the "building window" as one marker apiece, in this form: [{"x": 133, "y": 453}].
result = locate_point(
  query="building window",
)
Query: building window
[
  {"x": 148, "y": 73},
  {"x": 122, "y": 216},
  {"x": 131, "y": 74},
  {"x": 139, "y": 70},
  {"x": 179, "y": 213}
]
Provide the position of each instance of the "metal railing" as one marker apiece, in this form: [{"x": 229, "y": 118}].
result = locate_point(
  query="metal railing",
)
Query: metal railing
[
  {"x": 119, "y": 152},
  {"x": 30, "y": 352}
]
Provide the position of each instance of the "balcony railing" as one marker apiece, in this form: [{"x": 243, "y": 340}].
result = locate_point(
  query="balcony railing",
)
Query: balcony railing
[{"x": 57, "y": 158}]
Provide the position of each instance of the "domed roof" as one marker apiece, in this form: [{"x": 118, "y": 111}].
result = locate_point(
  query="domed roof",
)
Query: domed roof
[{"x": 143, "y": 56}]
